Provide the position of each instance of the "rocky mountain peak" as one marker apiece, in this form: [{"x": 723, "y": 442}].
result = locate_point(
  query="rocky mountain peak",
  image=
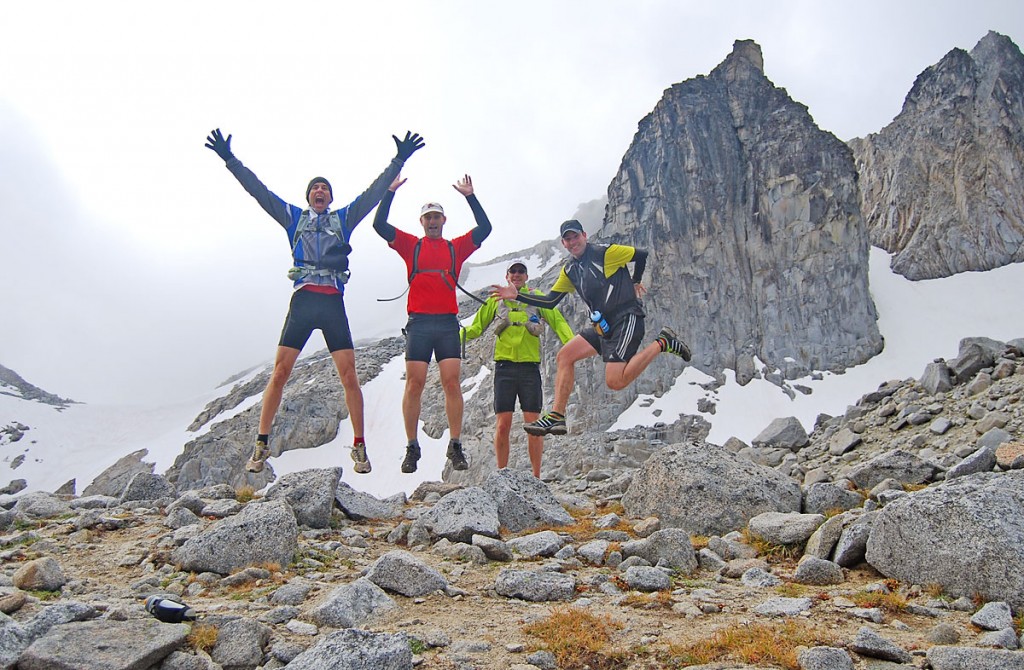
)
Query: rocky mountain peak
[
  {"x": 939, "y": 183},
  {"x": 745, "y": 54},
  {"x": 751, "y": 214}
]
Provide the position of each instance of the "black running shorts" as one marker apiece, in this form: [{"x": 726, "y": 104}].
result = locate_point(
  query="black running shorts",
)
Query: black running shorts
[
  {"x": 622, "y": 342},
  {"x": 436, "y": 334},
  {"x": 517, "y": 380},
  {"x": 309, "y": 311}
]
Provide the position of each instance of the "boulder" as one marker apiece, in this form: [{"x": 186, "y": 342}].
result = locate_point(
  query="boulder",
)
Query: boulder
[
  {"x": 353, "y": 649},
  {"x": 524, "y": 501},
  {"x": 310, "y": 494},
  {"x": 963, "y": 535},
  {"x": 463, "y": 513},
  {"x": 263, "y": 532},
  {"x": 897, "y": 464},
  {"x": 707, "y": 490},
  {"x": 401, "y": 572}
]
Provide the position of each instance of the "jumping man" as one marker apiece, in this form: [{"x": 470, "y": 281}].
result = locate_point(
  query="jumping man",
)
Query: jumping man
[
  {"x": 433, "y": 265},
  {"x": 599, "y": 274},
  {"x": 319, "y": 241}
]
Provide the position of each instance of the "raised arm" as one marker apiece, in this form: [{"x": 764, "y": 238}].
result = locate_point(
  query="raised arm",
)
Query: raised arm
[
  {"x": 271, "y": 203},
  {"x": 483, "y": 224},
  {"x": 368, "y": 199},
  {"x": 380, "y": 219}
]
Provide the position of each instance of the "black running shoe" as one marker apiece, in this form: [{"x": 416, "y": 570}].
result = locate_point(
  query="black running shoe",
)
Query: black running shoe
[
  {"x": 551, "y": 423},
  {"x": 670, "y": 343},
  {"x": 412, "y": 455},
  {"x": 456, "y": 456}
]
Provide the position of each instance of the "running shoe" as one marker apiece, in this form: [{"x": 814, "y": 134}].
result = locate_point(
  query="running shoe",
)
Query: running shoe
[
  {"x": 552, "y": 423},
  {"x": 362, "y": 463},
  {"x": 412, "y": 455},
  {"x": 260, "y": 453},
  {"x": 670, "y": 343},
  {"x": 456, "y": 456}
]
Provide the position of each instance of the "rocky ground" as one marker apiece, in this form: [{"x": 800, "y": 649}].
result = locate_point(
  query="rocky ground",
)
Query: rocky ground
[
  {"x": 452, "y": 578},
  {"x": 114, "y": 564}
]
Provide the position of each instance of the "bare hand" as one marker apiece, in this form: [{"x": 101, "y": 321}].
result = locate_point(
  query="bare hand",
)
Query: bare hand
[
  {"x": 507, "y": 292},
  {"x": 396, "y": 183},
  {"x": 640, "y": 289},
  {"x": 465, "y": 186}
]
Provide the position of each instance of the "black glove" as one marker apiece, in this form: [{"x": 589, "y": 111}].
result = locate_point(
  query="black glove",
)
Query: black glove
[
  {"x": 408, "y": 146},
  {"x": 222, "y": 147}
]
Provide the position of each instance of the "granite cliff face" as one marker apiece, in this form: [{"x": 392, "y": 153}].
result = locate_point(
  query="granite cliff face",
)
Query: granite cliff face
[
  {"x": 751, "y": 214},
  {"x": 940, "y": 184}
]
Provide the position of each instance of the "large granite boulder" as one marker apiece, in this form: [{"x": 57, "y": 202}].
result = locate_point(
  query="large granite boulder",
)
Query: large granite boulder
[
  {"x": 706, "y": 490},
  {"x": 524, "y": 501},
  {"x": 963, "y": 535},
  {"x": 261, "y": 533}
]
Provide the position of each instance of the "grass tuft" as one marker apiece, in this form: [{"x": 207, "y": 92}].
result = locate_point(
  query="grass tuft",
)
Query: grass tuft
[
  {"x": 773, "y": 553},
  {"x": 769, "y": 644},
  {"x": 575, "y": 636},
  {"x": 245, "y": 493},
  {"x": 202, "y": 637},
  {"x": 658, "y": 600},
  {"x": 888, "y": 602}
]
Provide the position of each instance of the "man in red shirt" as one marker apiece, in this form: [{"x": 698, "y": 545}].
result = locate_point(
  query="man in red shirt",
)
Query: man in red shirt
[{"x": 433, "y": 265}]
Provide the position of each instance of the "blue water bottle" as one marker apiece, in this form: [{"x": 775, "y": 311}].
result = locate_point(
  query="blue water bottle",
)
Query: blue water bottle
[{"x": 600, "y": 323}]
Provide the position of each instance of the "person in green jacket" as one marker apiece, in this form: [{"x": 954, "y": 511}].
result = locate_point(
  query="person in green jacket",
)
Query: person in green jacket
[{"x": 517, "y": 360}]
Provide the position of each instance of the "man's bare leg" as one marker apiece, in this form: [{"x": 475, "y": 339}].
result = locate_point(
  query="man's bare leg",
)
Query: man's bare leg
[
  {"x": 453, "y": 407},
  {"x": 415, "y": 378},
  {"x": 501, "y": 442},
  {"x": 534, "y": 445},
  {"x": 620, "y": 375},
  {"x": 575, "y": 350},
  {"x": 284, "y": 361},
  {"x": 345, "y": 362},
  {"x": 453, "y": 403}
]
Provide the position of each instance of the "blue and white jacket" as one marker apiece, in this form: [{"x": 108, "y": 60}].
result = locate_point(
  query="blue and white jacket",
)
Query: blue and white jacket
[{"x": 319, "y": 243}]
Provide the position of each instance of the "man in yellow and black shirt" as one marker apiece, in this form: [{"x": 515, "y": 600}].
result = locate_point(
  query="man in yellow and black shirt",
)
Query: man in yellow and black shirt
[
  {"x": 517, "y": 360},
  {"x": 601, "y": 277}
]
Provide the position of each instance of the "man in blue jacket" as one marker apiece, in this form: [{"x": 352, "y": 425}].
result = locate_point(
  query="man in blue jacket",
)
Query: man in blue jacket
[{"x": 319, "y": 239}]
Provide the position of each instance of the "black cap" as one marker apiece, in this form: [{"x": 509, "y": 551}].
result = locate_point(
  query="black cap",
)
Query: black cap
[
  {"x": 318, "y": 180},
  {"x": 571, "y": 226}
]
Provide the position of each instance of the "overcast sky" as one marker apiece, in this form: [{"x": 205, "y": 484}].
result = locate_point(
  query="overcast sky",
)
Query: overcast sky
[{"x": 124, "y": 242}]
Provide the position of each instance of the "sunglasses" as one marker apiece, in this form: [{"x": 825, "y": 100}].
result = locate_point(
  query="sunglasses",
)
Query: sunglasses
[{"x": 517, "y": 271}]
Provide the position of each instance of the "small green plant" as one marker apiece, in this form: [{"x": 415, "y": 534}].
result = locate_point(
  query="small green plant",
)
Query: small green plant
[
  {"x": 417, "y": 645},
  {"x": 791, "y": 590},
  {"x": 45, "y": 595}
]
